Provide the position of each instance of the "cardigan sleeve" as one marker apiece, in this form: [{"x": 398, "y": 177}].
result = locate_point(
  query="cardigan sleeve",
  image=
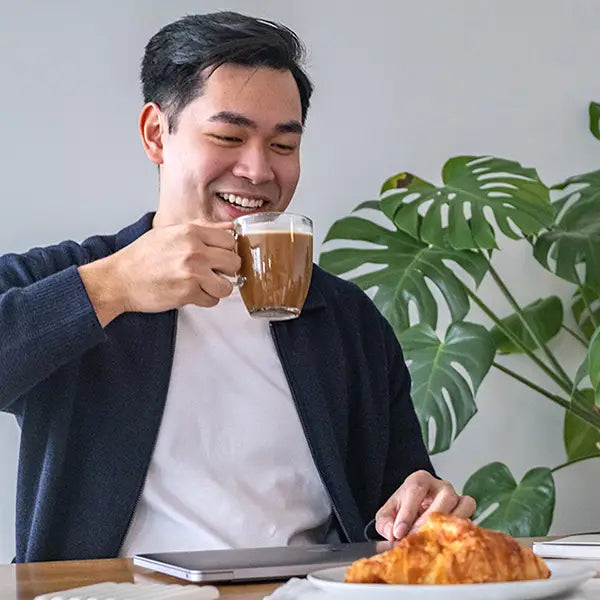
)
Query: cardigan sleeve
[{"x": 46, "y": 317}]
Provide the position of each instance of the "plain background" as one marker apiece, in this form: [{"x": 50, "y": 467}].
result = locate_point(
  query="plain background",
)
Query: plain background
[{"x": 399, "y": 86}]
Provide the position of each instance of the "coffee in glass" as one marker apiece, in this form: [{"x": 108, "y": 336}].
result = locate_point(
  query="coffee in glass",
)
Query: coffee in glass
[{"x": 277, "y": 253}]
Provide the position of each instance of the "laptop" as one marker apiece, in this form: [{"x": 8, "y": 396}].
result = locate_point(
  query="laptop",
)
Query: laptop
[{"x": 257, "y": 564}]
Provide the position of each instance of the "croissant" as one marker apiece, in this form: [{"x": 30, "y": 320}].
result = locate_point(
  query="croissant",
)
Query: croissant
[{"x": 449, "y": 550}]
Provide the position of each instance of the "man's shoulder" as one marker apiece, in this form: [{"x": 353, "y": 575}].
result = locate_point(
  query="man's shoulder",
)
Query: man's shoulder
[
  {"x": 109, "y": 243},
  {"x": 100, "y": 245},
  {"x": 342, "y": 293},
  {"x": 354, "y": 310}
]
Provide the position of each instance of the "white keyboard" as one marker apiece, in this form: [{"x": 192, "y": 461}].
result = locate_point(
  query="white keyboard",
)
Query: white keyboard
[{"x": 135, "y": 591}]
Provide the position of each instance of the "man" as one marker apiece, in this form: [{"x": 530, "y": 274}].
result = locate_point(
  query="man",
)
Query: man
[{"x": 155, "y": 413}]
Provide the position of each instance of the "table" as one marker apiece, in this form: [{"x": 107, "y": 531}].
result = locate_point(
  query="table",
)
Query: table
[{"x": 24, "y": 582}]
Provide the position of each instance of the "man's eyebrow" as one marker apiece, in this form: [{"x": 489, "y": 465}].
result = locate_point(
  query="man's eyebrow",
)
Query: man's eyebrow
[
  {"x": 232, "y": 118},
  {"x": 289, "y": 127}
]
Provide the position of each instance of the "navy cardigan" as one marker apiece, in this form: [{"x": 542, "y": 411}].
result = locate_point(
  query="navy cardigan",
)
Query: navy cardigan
[{"x": 89, "y": 401}]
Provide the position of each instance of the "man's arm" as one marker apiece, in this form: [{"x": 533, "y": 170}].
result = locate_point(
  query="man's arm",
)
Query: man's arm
[
  {"x": 55, "y": 302},
  {"x": 46, "y": 318}
]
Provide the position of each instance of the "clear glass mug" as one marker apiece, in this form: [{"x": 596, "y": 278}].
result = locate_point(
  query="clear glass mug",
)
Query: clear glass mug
[{"x": 277, "y": 257}]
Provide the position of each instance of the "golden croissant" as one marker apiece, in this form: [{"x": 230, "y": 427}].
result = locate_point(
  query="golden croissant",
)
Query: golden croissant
[{"x": 448, "y": 550}]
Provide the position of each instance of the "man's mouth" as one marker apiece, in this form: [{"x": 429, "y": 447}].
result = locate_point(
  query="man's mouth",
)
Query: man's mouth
[{"x": 241, "y": 201}]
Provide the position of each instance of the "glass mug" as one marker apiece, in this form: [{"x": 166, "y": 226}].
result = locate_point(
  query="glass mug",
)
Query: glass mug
[{"x": 277, "y": 256}]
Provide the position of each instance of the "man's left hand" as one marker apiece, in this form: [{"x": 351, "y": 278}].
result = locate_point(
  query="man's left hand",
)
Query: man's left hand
[{"x": 411, "y": 504}]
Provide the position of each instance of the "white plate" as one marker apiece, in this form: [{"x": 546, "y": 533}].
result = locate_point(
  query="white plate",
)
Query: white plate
[{"x": 565, "y": 576}]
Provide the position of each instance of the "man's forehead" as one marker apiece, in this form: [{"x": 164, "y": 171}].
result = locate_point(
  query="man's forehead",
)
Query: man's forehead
[{"x": 252, "y": 92}]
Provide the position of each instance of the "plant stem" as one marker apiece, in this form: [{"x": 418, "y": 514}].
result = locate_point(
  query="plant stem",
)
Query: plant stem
[
  {"x": 561, "y": 401},
  {"x": 576, "y": 336},
  {"x": 572, "y": 462},
  {"x": 581, "y": 411},
  {"x": 589, "y": 308},
  {"x": 590, "y": 416},
  {"x": 527, "y": 326},
  {"x": 511, "y": 336}
]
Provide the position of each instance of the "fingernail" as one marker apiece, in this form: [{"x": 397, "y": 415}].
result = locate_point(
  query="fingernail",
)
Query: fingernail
[
  {"x": 400, "y": 530},
  {"x": 387, "y": 531}
]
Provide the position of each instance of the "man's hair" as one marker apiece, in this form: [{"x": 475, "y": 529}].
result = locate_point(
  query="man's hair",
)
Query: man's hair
[{"x": 176, "y": 56}]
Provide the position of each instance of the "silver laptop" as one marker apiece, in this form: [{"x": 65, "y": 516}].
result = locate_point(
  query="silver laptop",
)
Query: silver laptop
[{"x": 257, "y": 563}]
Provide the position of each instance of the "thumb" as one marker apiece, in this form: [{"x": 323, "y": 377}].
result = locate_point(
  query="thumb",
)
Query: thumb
[
  {"x": 384, "y": 519},
  {"x": 213, "y": 224}
]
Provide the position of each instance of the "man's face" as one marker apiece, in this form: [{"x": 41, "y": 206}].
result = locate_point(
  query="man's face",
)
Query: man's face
[{"x": 235, "y": 149}]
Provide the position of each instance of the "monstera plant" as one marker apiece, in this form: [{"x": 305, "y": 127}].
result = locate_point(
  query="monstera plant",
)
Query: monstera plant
[{"x": 446, "y": 238}]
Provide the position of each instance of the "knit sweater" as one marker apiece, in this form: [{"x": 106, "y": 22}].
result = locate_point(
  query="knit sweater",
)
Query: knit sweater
[{"x": 89, "y": 400}]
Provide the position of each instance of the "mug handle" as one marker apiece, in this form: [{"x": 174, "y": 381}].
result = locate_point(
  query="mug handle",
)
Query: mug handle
[{"x": 237, "y": 280}]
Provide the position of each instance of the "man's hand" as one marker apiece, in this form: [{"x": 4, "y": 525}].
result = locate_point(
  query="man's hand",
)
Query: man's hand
[
  {"x": 165, "y": 268},
  {"x": 411, "y": 504}
]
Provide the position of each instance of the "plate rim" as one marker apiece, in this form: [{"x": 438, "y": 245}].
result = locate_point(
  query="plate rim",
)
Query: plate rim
[{"x": 580, "y": 573}]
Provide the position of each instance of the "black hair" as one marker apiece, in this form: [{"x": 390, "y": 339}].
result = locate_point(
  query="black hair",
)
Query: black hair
[{"x": 176, "y": 56}]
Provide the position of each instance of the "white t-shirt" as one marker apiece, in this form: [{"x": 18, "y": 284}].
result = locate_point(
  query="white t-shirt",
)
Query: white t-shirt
[{"x": 231, "y": 467}]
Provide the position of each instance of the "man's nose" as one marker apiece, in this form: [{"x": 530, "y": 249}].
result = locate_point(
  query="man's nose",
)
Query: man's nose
[{"x": 254, "y": 164}]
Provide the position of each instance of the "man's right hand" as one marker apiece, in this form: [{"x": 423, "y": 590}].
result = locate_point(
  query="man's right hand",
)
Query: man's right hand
[{"x": 166, "y": 268}]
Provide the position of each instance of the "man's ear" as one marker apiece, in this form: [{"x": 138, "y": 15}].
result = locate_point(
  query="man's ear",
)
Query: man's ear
[{"x": 153, "y": 128}]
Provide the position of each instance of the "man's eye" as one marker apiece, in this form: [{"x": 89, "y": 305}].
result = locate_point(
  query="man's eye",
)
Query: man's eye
[
  {"x": 284, "y": 147},
  {"x": 227, "y": 139}
]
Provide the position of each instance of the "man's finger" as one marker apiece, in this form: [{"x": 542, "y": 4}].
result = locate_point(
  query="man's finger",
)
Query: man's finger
[
  {"x": 445, "y": 501},
  {"x": 411, "y": 499},
  {"x": 213, "y": 224},
  {"x": 219, "y": 234},
  {"x": 217, "y": 238},
  {"x": 200, "y": 298},
  {"x": 224, "y": 261},
  {"x": 216, "y": 285},
  {"x": 465, "y": 508},
  {"x": 384, "y": 519}
]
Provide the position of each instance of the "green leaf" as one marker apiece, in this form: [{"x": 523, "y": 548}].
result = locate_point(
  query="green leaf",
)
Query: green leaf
[
  {"x": 581, "y": 439},
  {"x": 513, "y": 193},
  {"x": 545, "y": 317},
  {"x": 582, "y": 373},
  {"x": 433, "y": 368},
  {"x": 372, "y": 204},
  {"x": 521, "y": 510},
  {"x": 409, "y": 266},
  {"x": 574, "y": 239},
  {"x": 586, "y": 310},
  {"x": 594, "y": 365},
  {"x": 595, "y": 119}
]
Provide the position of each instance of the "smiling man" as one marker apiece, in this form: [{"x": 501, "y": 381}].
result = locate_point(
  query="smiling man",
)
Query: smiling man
[
  {"x": 233, "y": 150},
  {"x": 155, "y": 413}
]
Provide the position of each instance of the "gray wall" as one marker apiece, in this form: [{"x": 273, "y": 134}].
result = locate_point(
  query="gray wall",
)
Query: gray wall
[{"x": 399, "y": 86}]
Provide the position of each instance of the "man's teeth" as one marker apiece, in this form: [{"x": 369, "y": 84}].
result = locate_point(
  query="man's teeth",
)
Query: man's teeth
[{"x": 240, "y": 201}]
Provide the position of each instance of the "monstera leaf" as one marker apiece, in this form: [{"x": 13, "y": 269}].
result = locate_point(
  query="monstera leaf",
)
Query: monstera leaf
[
  {"x": 595, "y": 119},
  {"x": 433, "y": 365},
  {"x": 372, "y": 204},
  {"x": 545, "y": 317},
  {"x": 594, "y": 365},
  {"x": 409, "y": 265},
  {"x": 581, "y": 439},
  {"x": 575, "y": 237},
  {"x": 522, "y": 509},
  {"x": 471, "y": 185},
  {"x": 586, "y": 310},
  {"x": 580, "y": 375}
]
